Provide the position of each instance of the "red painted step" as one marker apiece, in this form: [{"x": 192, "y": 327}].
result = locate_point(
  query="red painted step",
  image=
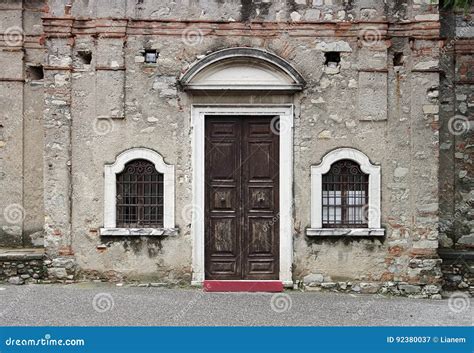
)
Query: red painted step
[{"x": 243, "y": 286}]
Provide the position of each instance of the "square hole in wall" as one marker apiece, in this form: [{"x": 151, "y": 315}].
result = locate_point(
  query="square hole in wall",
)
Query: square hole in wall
[
  {"x": 333, "y": 58},
  {"x": 151, "y": 56},
  {"x": 34, "y": 72},
  {"x": 85, "y": 57},
  {"x": 398, "y": 59}
]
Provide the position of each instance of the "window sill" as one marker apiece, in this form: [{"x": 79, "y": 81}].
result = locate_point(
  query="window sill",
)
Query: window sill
[
  {"x": 340, "y": 232},
  {"x": 138, "y": 232}
]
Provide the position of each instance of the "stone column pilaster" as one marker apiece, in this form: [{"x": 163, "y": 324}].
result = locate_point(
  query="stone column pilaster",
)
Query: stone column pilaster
[{"x": 57, "y": 148}]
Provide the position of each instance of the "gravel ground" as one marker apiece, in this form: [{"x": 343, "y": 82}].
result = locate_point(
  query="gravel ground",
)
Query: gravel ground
[{"x": 106, "y": 304}]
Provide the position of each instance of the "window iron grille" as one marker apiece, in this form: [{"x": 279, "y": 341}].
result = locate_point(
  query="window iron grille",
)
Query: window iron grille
[
  {"x": 345, "y": 196},
  {"x": 139, "y": 199}
]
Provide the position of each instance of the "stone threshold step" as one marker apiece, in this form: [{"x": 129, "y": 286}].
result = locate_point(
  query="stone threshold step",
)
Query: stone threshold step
[
  {"x": 21, "y": 254},
  {"x": 242, "y": 286}
]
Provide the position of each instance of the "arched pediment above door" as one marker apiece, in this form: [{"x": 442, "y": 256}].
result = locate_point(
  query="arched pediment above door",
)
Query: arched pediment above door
[{"x": 242, "y": 69}]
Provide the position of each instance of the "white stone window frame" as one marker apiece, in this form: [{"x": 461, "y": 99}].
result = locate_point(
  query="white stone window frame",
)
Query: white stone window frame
[
  {"x": 373, "y": 211},
  {"x": 110, "y": 193}
]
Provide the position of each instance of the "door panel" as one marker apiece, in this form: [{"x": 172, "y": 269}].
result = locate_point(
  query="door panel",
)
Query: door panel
[
  {"x": 223, "y": 189},
  {"x": 260, "y": 236},
  {"x": 242, "y": 240},
  {"x": 260, "y": 170}
]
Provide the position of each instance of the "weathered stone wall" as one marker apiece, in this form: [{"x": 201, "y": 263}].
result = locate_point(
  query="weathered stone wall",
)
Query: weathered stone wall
[
  {"x": 382, "y": 98},
  {"x": 456, "y": 151},
  {"x": 458, "y": 270},
  {"x": 19, "y": 267},
  {"x": 457, "y": 139},
  {"x": 21, "y": 126}
]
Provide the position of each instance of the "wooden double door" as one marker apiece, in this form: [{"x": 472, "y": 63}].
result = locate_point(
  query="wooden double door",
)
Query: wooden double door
[{"x": 241, "y": 198}]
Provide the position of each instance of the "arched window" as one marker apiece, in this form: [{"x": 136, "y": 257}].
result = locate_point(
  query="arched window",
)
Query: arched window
[
  {"x": 345, "y": 195},
  {"x": 139, "y": 195}
]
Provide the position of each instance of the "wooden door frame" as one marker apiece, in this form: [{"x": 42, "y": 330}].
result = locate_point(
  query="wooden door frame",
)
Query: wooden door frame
[{"x": 198, "y": 115}]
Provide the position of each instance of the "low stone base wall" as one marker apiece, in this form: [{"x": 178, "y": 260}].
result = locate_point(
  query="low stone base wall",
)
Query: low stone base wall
[
  {"x": 19, "y": 266},
  {"x": 458, "y": 270},
  {"x": 390, "y": 288},
  {"x": 60, "y": 269}
]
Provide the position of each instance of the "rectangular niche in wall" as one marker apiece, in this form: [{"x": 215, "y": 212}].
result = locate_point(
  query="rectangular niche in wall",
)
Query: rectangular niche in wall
[{"x": 34, "y": 72}]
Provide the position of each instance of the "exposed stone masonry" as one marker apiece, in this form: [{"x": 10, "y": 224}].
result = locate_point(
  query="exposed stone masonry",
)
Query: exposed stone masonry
[
  {"x": 457, "y": 151},
  {"x": 19, "y": 267}
]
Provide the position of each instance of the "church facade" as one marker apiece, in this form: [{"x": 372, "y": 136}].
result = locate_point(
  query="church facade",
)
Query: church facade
[{"x": 193, "y": 141}]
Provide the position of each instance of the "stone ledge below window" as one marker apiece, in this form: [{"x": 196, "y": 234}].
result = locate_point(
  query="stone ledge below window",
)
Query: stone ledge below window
[
  {"x": 138, "y": 232},
  {"x": 340, "y": 232}
]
